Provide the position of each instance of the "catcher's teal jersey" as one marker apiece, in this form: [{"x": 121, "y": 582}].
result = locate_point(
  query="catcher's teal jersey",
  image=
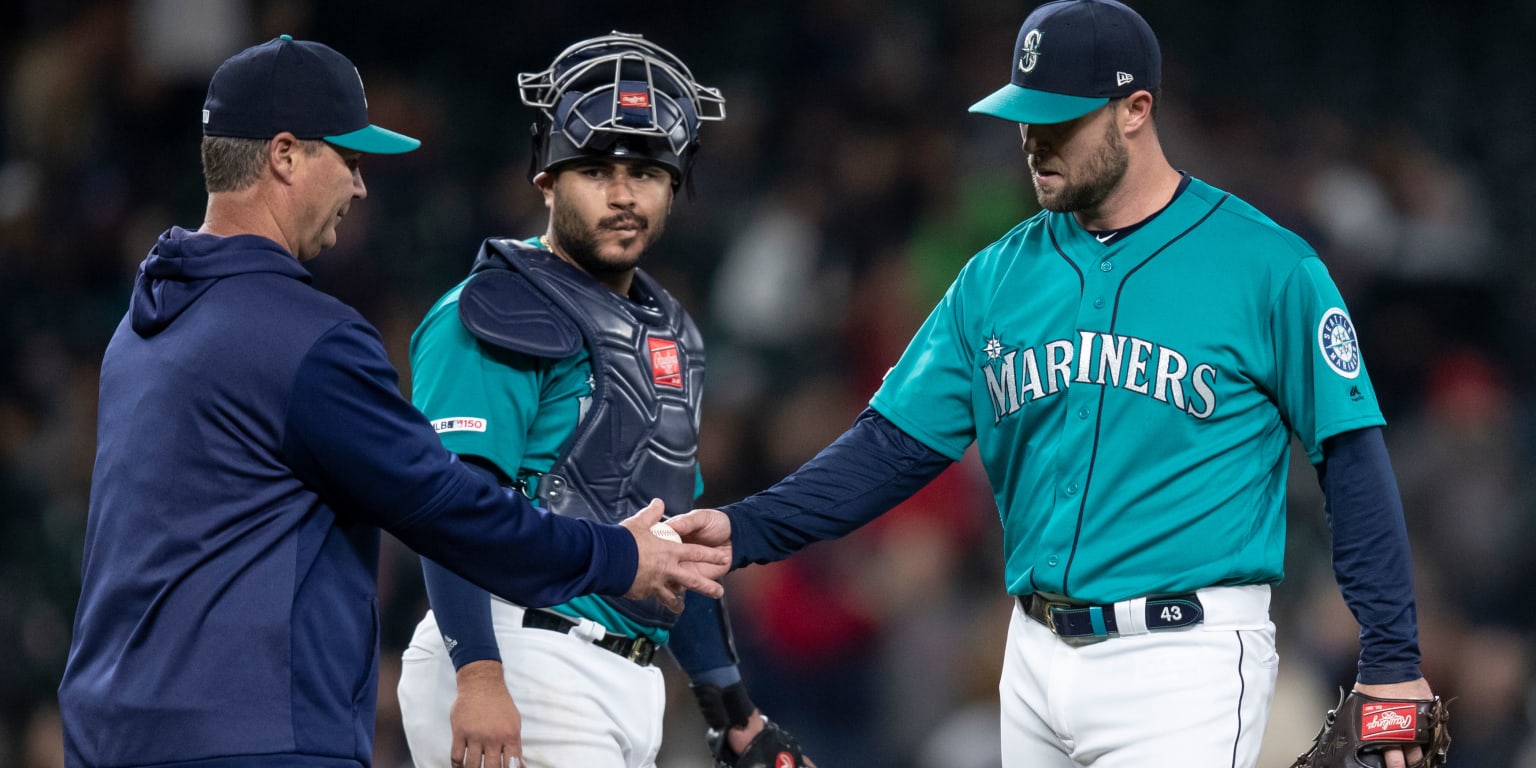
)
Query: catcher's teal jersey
[
  {"x": 1133, "y": 403},
  {"x": 515, "y": 410}
]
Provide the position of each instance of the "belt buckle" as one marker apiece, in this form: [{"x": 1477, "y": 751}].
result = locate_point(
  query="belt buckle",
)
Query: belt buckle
[
  {"x": 1050, "y": 615},
  {"x": 1051, "y": 607},
  {"x": 641, "y": 651}
]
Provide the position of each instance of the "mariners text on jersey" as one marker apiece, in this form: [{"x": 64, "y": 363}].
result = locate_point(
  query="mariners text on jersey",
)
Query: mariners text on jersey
[{"x": 1016, "y": 376}]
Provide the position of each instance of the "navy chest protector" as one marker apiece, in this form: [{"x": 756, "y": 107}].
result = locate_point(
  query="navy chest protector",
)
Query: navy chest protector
[{"x": 639, "y": 438}]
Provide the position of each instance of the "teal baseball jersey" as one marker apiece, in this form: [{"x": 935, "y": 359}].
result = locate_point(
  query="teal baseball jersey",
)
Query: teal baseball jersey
[
  {"x": 1133, "y": 402},
  {"x": 515, "y": 410}
]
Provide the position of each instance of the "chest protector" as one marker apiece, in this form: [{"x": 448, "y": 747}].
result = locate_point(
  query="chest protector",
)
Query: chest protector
[{"x": 638, "y": 439}]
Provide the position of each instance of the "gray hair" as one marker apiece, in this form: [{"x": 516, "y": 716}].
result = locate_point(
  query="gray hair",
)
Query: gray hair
[{"x": 231, "y": 164}]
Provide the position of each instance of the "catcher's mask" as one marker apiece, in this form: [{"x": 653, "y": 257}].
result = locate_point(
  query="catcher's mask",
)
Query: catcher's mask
[{"x": 618, "y": 95}]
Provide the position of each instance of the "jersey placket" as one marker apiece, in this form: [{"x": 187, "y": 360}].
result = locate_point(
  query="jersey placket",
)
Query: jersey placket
[{"x": 1080, "y": 431}]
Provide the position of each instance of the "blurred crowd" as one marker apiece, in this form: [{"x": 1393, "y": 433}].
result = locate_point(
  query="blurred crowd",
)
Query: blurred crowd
[{"x": 828, "y": 213}]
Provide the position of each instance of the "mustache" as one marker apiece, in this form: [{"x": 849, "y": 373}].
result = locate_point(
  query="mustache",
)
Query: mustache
[{"x": 625, "y": 220}]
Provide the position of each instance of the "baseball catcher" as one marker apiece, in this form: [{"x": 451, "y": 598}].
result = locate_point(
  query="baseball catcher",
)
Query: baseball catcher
[
  {"x": 1357, "y": 733},
  {"x": 565, "y": 369}
]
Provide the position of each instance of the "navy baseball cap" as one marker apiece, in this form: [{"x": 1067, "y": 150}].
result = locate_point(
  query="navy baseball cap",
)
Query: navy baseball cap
[
  {"x": 302, "y": 87},
  {"x": 1072, "y": 57}
]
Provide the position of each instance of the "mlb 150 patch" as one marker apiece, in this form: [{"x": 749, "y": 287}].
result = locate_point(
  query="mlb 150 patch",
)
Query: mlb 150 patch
[{"x": 459, "y": 424}]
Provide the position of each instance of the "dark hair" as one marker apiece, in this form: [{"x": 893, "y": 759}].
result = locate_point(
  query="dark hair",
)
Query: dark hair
[{"x": 231, "y": 164}]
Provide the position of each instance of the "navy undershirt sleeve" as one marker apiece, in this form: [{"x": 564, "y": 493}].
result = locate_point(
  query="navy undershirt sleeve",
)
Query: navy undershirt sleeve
[
  {"x": 463, "y": 614},
  {"x": 702, "y": 643},
  {"x": 871, "y": 468},
  {"x": 462, "y": 609},
  {"x": 1371, "y": 556}
]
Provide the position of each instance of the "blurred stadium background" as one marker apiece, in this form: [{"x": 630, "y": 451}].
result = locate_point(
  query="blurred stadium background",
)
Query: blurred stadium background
[{"x": 832, "y": 207}]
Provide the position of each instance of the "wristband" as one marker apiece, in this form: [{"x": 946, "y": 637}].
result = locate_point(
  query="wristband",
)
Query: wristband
[{"x": 724, "y": 708}]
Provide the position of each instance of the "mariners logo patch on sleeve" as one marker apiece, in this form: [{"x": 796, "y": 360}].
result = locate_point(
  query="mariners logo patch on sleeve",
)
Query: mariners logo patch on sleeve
[{"x": 1340, "y": 345}]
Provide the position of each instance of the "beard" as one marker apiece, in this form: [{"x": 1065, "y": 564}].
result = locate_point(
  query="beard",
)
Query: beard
[
  {"x": 1103, "y": 171},
  {"x": 582, "y": 245}
]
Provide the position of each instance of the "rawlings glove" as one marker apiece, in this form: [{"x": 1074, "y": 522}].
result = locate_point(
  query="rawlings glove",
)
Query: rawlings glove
[
  {"x": 1360, "y": 727},
  {"x": 730, "y": 707}
]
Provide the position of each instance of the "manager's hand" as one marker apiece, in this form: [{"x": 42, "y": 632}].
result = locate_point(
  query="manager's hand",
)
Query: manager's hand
[{"x": 667, "y": 569}]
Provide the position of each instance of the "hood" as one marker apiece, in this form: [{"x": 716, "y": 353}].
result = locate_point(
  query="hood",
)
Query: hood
[{"x": 184, "y": 264}]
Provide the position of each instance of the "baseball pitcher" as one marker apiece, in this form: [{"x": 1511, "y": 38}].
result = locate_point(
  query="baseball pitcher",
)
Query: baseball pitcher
[{"x": 1131, "y": 364}]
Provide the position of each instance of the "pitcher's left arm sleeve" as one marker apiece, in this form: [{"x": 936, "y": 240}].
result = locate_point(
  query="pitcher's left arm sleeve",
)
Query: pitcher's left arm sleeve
[{"x": 1371, "y": 556}]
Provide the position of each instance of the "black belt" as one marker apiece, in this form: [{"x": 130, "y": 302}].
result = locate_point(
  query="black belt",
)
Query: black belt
[
  {"x": 640, "y": 650},
  {"x": 1080, "y": 624}
]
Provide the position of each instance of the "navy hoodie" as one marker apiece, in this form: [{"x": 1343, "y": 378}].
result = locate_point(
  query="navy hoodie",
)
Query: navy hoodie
[{"x": 251, "y": 442}]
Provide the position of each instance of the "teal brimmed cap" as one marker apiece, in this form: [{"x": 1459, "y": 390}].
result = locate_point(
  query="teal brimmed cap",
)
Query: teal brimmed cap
[
  {"x": 302, "y": 87},
  {"x": 1072, "y": 57}
]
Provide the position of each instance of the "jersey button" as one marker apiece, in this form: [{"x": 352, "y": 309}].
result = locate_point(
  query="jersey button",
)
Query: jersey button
[
  {"x": 1105, "y": 266},
  {"x": 1098, "y": 303},
  {"x": 1051, "y": 560},
  {"x": 1071, "y": 489},
  {"x": 1082, "y": 413}
]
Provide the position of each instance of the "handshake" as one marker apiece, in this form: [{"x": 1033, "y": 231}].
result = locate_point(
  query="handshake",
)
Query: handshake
[{"x": 687, "y": 552}]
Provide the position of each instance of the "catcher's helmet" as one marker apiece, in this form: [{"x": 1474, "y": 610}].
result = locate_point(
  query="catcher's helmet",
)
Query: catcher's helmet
[{"x": 618, "y": 95}]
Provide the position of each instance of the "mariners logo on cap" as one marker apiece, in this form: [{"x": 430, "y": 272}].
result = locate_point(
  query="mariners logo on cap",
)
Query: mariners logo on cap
[
  {"x": 1339, "y": 343},
  {"x": 1029, "y": 55}
]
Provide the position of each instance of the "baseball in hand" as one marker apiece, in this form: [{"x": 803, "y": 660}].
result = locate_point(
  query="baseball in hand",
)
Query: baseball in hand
[{"x": 664, "y": 531}]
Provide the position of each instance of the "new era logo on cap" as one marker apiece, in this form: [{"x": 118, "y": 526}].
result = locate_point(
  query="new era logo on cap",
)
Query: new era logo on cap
[{"x": 1072, "y": 57}]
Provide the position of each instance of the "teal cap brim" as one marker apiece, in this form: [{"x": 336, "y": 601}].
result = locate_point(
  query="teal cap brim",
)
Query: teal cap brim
[
  {"x": 375, "y": 140},
  {"x": 1022, "y": 105}
]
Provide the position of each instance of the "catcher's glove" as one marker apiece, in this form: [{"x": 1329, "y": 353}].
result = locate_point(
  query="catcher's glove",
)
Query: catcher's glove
[
  {"x": 1360, "y": 727},
  {"x": 773, "y": 748},
  {"x": 731, "y": 707}
]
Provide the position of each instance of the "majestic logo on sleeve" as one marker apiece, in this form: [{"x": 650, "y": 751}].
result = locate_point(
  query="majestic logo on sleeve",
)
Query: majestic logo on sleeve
[
  {"x": 1340, "y": 345},
  {"x": 459, "y": 424},
  {"x": 1016, "y": 376}
]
